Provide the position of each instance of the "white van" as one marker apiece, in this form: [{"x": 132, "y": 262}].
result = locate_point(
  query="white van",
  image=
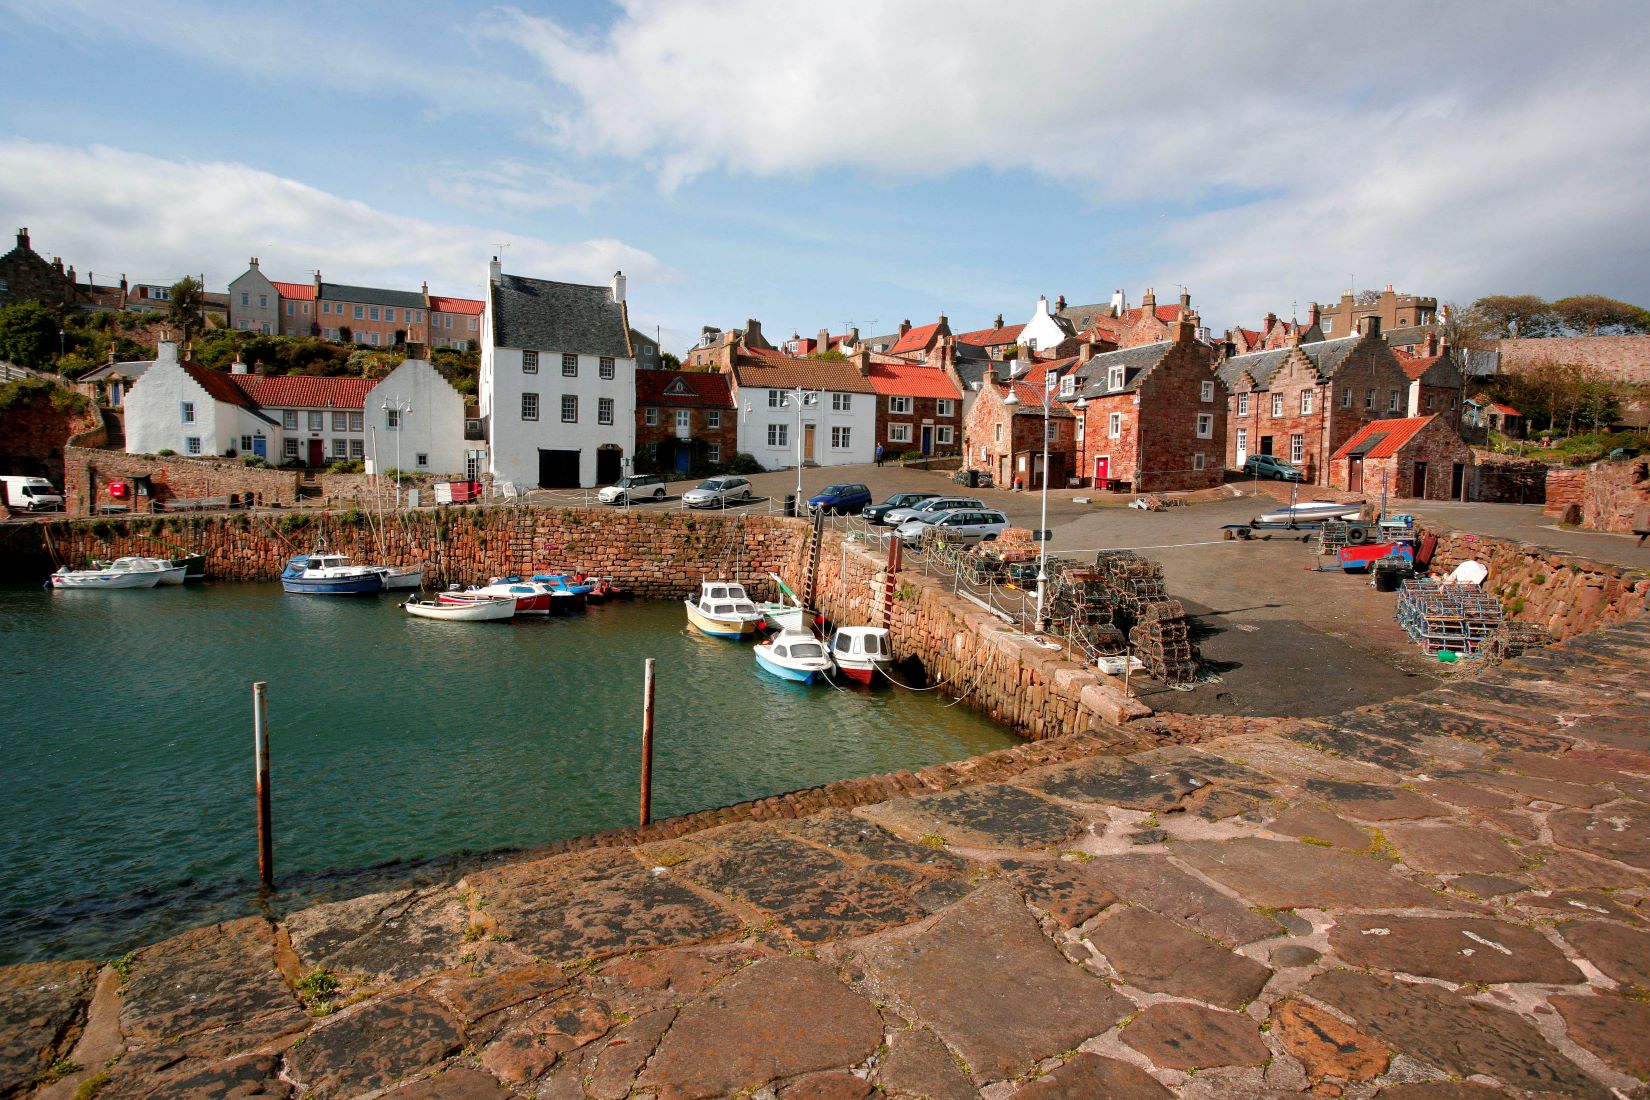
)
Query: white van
[{"x": 32, "y": 494}]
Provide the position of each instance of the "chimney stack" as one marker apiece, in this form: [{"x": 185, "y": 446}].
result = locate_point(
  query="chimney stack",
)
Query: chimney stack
[
  {"x": 753, "y": 334},
  {"x": 1185, "y": 299},
  {"x": 1371, "y": 325},
  {"x": 23, "y": 239},
  {"x": 238, "y": 367},
  {"x": 1059, "y": 303},
  {"x": 618, "y": 288},
  {"x": 999, "y": 323},
  {"x": 495, "y": 272},
  {"x": 253, "y": 262},
  {"x": 862, "y": 362},
  {"x": 1118, "y": 303},
  {"x": 1148, "y": 300},
  {"x": 166, "y": 351},
  {"x": 905, "y": 326}
]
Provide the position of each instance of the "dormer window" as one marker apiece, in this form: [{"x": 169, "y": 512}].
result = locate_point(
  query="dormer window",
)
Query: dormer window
[
  {"x": 1068, "y": 385},
  {"x": 1114, "y": 378}
]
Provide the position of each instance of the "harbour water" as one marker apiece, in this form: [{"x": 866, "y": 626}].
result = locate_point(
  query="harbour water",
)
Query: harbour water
[{"x": 126, "y": 776}]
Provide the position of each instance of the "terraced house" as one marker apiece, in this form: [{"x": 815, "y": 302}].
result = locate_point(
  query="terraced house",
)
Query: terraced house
[{"x": 373, "y": 316}]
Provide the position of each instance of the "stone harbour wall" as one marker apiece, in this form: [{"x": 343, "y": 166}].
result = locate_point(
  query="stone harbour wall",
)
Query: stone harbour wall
[
  {"x": 1608, "y": 496},
  {"x": 1566, "y": 594}
]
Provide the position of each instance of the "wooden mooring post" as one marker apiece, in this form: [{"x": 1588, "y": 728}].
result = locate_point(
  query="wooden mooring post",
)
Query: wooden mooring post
[
  {"x": 647, "y": 743},
  {"x": 260, "y": 757}
]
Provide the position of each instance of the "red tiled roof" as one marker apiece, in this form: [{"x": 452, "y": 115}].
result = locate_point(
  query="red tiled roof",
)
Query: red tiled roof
[
  {"x": 1504, "y": 410},
  {"x": 218, "y": 385},
  {"x": 440, "y": 303},
  {"x": 710, "y": 389},
  {"x": 776, "y": 370},
  {"x": 912, "y": 380},
  {"x": 304, "y": 292},
  {"x": 1250, "y": 334},
  {"x": 915, "y": 339},
  {"x": 304, "y": 391},
  {"x": 1416, "y": 365},
  {"x": 1396, "y": 433},
  {"x": 992, "y": 337},
  {"x": 1166, "y": 314},
  {"x": 1030, "y": 387}
]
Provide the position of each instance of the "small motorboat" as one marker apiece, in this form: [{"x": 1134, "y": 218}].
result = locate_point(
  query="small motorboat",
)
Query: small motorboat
[
  {"x": 723, "y": 610},
  {"x": 793, "y": 655},
  {"x": 404, "y": 576},
  {"x": 1308, "y": 512},
  {"x": 325, "y": 574},
  {"x": 171, "y": 572},
  {"x": 105, "y": 578},
  {"x": 532, "y": 597},
  {"x": 860, "y": 651},
  {"x": 566, "y": 593},
  {"x": 482, "y": 609},
  {"x": 785, "y": 613}
]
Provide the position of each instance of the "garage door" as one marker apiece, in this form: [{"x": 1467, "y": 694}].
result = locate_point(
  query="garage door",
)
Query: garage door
[{"x": 558, "y": 469}]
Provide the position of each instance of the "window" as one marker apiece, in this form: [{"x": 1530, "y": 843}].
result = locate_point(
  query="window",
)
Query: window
[
  {"x": 373, "y": 336},
  {"x": 1197, "y": 461},
  {"x": 569, "y": 409},
  {"x": 778, "y": 434},
  {"x": 263, "y": 301},
  {"x": 186, "y": 411},
  {"x": 245, "y": 298},
  {"x": 529, "y": 362},
  {"x": 684, "y": 420},
  {"x": 650, "y": 417},
  {"x": 1306, "y": 402},
  {"x": 1207, "y": 391},
  {"x": 392, "y": 419},
  {"x": 1297, "y": 448},
  {"x": 776, "y": 398},
  {"x": 945, "y": 407},
  {"x": 356, "y": 421},
  {"x": 529, "y": 406},
  {"x": 314, "y": 419},
  {"x": 1081, "y": 424},
  {"x": 1369, "y": 399},
  {"x": 842, "y": 402},
  {"x": 900, "y": 405},
  {"x": 713, "y": 418},
  {"x": 292, "y": 309},
  {"x": 326, "y": 307},
  {"x": 999, "y": 433},
  {"x": 472, "y": 324},
  {"x": 1205, "y": 425},
  {"x": 357, "y": 448},
  {"x": 604, "y": 366},
  {"x": 264, "y": 328},
  {"x": 192, "y": 445},
  {"x": 713, "y": 453},
  {"x": 1114, "y": 378},
  {"x": 1243, "y": 404},
  {"x": 604, "y": 410},
  {"x": 1346, "y": 399},
  {"x": 944, "y": 434},
  {"x": 423, "y": 460},
  {"x": 340, "y": 422},
  {"x": 569, "y": 365},
  {"x": 899, "y": 433},
  {"x": 1328, "y": 325},
  {"x": 340, "y": 448},
  {"x": 246, "y": 443},
  {"x": 359, "y": 313},
  {"x": 289, "y": 448},
  {"x": 1277, "y": 404},
  {"x": 839, "y": 437},
  {"x": 389, "y": 314},
  {"x": 1429, "y": 402},
  {"x": 1068, "y": 385},
  {"x": 1392, "y": 402},
  {"x": 1114, "y": 425}
]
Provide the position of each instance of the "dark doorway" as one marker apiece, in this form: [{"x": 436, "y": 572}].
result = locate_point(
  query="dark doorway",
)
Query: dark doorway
[
  {"x": 609, "y": 461},
  {"x": 1355, "y": 474},
  {"x": 558, "y": 469},
  {"x": 684, "y": 457},
  {"x": 1418, "y": 484},
  {"x": 927, "y": 439},
  {"x": 1457, "y": 481},
  {"x": 1265, "y": 444},
  {"x": 317, "y": 453}
]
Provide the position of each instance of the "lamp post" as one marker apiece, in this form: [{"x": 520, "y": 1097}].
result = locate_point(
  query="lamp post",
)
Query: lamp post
[
  {"x": 401, "y": 409},
  {"x": 800, "y": 398},
  {"x": 1042, "y": 531}
]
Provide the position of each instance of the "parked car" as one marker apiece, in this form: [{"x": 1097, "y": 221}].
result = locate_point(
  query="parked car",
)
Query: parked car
[
  {"x": 966, "y": 525},
  {"x": 627, "y": 489},
  {"x": 1270, "y": 466},
  {"x": 846, "y": 498},
  {"x": 31, "y": 494},
  {"x": 897, "y": 516},
  {"x": 877, "y": 512},
  {"x": 716, "y": 492}
]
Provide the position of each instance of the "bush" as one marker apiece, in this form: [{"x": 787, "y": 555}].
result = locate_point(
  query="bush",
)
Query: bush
[
  {"x": 165, "y": 452},
  {"x": 256, "y": 462},
  {"x": 353, "y": 466},
  {"x": 745, "y": 463}
]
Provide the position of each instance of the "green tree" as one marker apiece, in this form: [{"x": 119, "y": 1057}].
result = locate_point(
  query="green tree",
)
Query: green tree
[
  {"x": 28, "y": 334},
  {"x": 185, "y": 301},
  {"x": 1515, "y": 314},
  {"x": 1595, "y": 315},
  {"x": 669, "y": 361}
]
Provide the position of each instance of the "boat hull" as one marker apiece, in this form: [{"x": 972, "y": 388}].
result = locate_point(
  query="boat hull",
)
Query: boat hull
[
  {"x": 405, "y": 576},
  {"x": 719, "y": 628},
  {"x": 784, "y": 672},
  {"x": 469, "y": 611},
  {"x": 861, "y": 672},
  {"x": 95, "y": 579},
  {"x": 366, "y": 584}
]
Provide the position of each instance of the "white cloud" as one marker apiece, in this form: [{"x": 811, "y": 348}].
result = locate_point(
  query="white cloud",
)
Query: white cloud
[
  {"x": 511, "y": 187},
  {"x": 1461, "y": 149},
  {"x": 111, "y": 211}
]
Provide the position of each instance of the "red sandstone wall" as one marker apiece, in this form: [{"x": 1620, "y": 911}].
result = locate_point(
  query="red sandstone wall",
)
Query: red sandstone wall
[
  {"x": 1608, "y": 493},
  {"x": 1567, "y": 595}
]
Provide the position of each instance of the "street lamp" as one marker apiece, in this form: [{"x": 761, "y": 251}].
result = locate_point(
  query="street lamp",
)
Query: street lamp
[
  {"x": 1013, "y": 398},
  {"x": 400, "y": 408},
  {"x": 801, "y": 399}
]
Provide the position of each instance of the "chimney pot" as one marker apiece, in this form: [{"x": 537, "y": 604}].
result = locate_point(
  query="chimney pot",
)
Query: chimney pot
[
  {"x": 495, "y": 271},
  {"x": 618, "y": 288},
  {"x": 999, "y": 323},
  {"x": 1185, "y": 299},
  {"x": 905, "y": 326},
  {"x": 23, "y": 239},
  {"x": 1059, "y": 303}
]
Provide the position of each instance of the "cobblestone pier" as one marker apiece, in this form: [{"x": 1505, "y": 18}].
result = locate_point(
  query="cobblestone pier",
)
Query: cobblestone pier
[{"x": 1437, "y": 898}]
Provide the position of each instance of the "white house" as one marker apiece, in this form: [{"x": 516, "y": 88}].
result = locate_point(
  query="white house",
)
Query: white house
[
  {"x": 1046, "y": 329},
  {"x": 192, "y": 410},
  {"x": 558, "y": 381},
  {"x": 839, "y": 429},
  {"x": 254, "y": 302},
  {"x": 416, "y": 422}
]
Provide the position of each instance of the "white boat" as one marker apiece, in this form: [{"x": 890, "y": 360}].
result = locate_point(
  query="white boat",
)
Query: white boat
[
  {"x": 785, "y": 613},
  {"x": 404, "y": 576},
  {"x": 1309, "y": 512},
  {"x": 105, "y": 578},
  {"x": 479, "y": 610},
  {"x": 723, "y": 610},
  {"x": 327, "y": 574},
  {"x": 170, "y": 572},
  {"x": 793, "y": 655},
  {"x": 860, "y": 651},
  {"x": 532, "y": 597}
]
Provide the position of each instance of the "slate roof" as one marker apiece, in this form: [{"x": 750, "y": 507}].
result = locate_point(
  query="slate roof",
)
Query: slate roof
[
  {"x": 1082, "y": 317},
  {"x": 886, "y": 342},
  {"x": 303, "y": 292},
  {"x": 1326, "y": 355},
  {"x": 912, "y": 380},
  {"x": 550, "y": 316},
  {"x": 1137, "y": 362},
  {"x": 702, "y": 389},
  {"x": 371, "y": 296},
  {"x": 1383, "y": 438},
  {"x": 130, "y": 371},
  {"x": 302, "y": 391},
  {"x": 1410, "y": 336},
  {"x": 440, "y": 303},
  {"x": 776, "y": 370}
]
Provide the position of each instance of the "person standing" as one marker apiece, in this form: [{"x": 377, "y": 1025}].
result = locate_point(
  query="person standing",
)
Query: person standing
[{"x": 879, "y": 454}]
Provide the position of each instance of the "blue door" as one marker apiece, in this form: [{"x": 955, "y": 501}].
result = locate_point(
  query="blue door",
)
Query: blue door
[
  {"x": 927, "y": 439},
  {"x": 684, "y": 457},
  {"x": 260, "y": 446}
]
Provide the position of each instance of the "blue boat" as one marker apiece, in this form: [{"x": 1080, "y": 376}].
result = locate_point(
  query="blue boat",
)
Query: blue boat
[
  {"x": 323, "y": 574},
  {"x": 793, "y": 655}
]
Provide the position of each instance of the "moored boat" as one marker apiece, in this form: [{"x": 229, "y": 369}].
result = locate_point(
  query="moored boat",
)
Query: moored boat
[
  {"x": 860, "y": 651},
  {"x": 105, "y": 578},
  {"x": 532, "y": 598},
  {"x": 565, "y": 593},
  {"x": 479, "y": 610},
  {"x": 723, "y": 610},
  {"x": 325, "y": 574},
  {"x": 793, "y": 655},
  {"x": 785, "y": 613},
  {"x": 404, "y": 576},
  {"x": 170, "y": 572}
]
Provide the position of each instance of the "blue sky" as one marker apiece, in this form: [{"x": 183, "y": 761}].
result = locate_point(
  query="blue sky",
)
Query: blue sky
[{"x": 812, "y": 165}]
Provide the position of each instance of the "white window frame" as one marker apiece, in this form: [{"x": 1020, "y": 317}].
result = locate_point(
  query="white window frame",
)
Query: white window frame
[
  {"x": 1114, "y": 379},
  {"x": 684, "y": 420},
  {"x": 392, "y": 419},
  {"x": 340, "y": 421},
  {"x": 713, "y": 453},
  {"x": 1207, "y": 391},
  {"x": 569, "y": 408},
  {"x": 1306, "y": 402},
  {"x": 1243, "y": 404},
  {"x": 945, "y": 406},
  {"x": 289, "y": 448},
  {"x": 1369, "y": 400},
  {"x": 1068, "y": 385},
  {"x": 1346, "y": 398},
  {"x": 1205, "y": 425},
  {"x": 186, "y": 412},
  {"x": 529, "y": 406},
  {"x": 1277, "y": 405},
  {"x": 1197, "y": 460},
  {"x": 899, "y": 433},
  {"x": 357, "y": 422},
  {"x": 358, "y": 448},
  {"x": 900, "y": 406},
  {"x": 713, "y": 418},
  {"x": 529, "y": 362},
  {"x": 944, "y": 433},
  {"x": 605, "y": 368},
  {"x": 421, "y": 460},
  {"x": 604, "y": 410},
  {"x": 841, "y": 436},
  {"x": 1114, "y": 426},
  {"x": 779, "y": 435},
  {"x": 776, "y": 398},
  {"x": 1392, "y": 402},
  {"x": 315, "y": 420},
  {"x": 1297, "y": 448},
  {"x": 569, "y": 365},
  {"x": 340, "y": 450},
  {"x": 1243, "y": 442},
  {"x": 650, "y": 417},
  {"x": 842, "y": 402},
  {"x": 191, "y": 444}
]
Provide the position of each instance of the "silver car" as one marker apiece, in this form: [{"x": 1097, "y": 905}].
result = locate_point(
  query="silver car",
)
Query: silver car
[
  {"x": 939, "y": 504},
  {"x": 716, "y": 492},
  {"x": 634, "y": 487},
  {"x": 965, "y": 525}
]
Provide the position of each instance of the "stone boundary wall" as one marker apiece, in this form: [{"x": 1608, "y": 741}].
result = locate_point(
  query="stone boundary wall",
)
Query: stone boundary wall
[
  {"x": 1608, "y": 493},
  {"x": 1565, "y": 487},
  {"x": 1566, "y": 594},
  {"x": 1503, "y": 479}
]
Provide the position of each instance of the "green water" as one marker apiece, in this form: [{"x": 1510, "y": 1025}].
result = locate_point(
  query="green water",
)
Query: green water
[{"x": 126, "y": 804}]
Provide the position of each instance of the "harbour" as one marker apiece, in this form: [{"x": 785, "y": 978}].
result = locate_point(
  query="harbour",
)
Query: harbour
[{"x": 396, "y": 742}]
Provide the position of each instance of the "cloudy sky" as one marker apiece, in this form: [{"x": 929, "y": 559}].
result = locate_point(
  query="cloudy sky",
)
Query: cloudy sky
[{"x": 859, "y": 161}]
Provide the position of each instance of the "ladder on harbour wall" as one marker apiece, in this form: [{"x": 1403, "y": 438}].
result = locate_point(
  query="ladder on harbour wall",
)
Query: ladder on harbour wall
[
  {"x": 521, "y": 547},
  {"x": 810, "y": 561},
  {"x": 890, "y": 584}
]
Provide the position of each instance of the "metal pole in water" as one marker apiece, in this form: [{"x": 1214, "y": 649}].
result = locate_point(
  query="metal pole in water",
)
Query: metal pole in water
[
  {"x": 647, "y": 743},
  {"x": 260, "y": 754}
]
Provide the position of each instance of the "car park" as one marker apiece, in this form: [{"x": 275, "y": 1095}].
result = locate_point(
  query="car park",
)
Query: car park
[
  {"x": 1264, "y": 466},
  {"x": 897, "y": 516},
  {"x": 717, "y": 491},
  {"x": 634, "y": 487},
  {"x": 965, "y": 525},
  {"x": 846, "y": 498},
  {"x": 877, "y": 513}
]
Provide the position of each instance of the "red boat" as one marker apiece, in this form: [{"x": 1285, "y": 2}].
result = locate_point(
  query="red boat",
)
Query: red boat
[
  {"x": 1357, "y": 559},
  {"x": 531, "y": 598}
]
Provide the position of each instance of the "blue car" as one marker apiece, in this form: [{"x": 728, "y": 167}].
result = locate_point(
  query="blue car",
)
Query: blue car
[{"x": 846, "y": 498}]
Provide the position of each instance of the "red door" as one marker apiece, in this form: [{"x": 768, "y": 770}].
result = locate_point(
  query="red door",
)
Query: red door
[
  {"x": 1102, "y": 469},
  {"x": 317, "y": 453}
]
